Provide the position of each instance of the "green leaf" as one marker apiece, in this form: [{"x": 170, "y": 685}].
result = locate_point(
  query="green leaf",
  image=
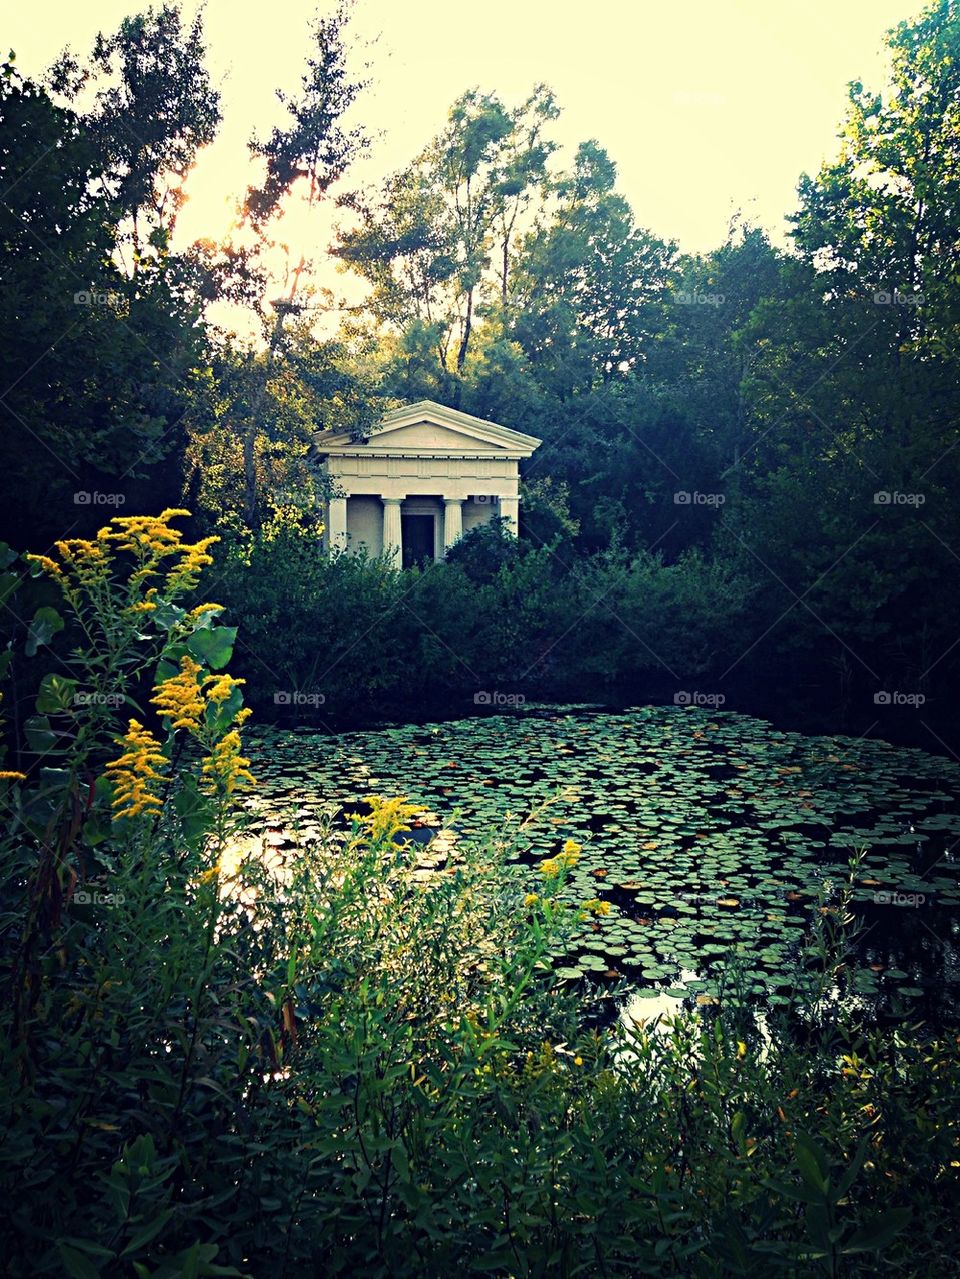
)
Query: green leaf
[
  {"x": 193, "y": 808},
  {"x": 795, "y": 1193},
  {"x": 220, "y": 715},
  {"x": 147, "y": 1232},
  {"x": 849, "y": 1176},
  {"x": 166, "y": 616},
  {"x": 213, "y": 647},
  {"x": 878, "y": 1233},
  {"x": 77, "y": 1265},
  {"x": 40, "y": 736},
  {"x": 811, "y": 1163},
  {"x": 8, "y": 584},
  {"x": 56, "y": 693},
  {"x": 46, "y": 623}
]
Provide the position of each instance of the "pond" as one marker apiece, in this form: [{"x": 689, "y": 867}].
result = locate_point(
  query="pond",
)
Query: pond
[{"x": 707, "y": 832}]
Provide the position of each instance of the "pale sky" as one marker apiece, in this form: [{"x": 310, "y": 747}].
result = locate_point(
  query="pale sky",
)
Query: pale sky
[{"x": 706, "y": 106}]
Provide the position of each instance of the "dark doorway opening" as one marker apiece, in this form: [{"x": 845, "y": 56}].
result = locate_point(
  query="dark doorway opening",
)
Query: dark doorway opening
[{"x": 416, "y": 532}]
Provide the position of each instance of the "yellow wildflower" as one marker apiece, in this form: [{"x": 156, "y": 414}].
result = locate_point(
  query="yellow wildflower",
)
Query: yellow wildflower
[
  {"x": 595, "y": 907},
  {"x": 7, "y": 775},
  {"x": 87, "y": 562},
  {"x": 220, "y": 687},
  {"x": 145, "y": 606},
  {"x": 206, "y": 608},
  {"x": 531, "y": 899},
  {"x": 225, "y": 767},
  {"x": 566, "y": 858},
  {"x": 46, "y": 563},
  {"x": 77, "y": 550},
  {"x": 387, "y": 817},
  {"x": 135, "y": 772},
  {"x": 147, "y": 536},
  {"x": 179, "y": 700},
  {"x": 195, "y": 559}
]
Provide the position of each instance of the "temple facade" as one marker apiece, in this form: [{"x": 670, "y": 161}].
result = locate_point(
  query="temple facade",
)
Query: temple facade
[{"x": 426, "y": 475}]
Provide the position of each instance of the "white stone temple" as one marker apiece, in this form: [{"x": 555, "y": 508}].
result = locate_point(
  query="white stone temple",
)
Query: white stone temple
[{"x": 426, "y": 475}]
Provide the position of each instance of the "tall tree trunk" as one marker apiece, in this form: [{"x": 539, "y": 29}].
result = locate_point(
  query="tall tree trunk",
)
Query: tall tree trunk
[{"x": 465, "y": 339}]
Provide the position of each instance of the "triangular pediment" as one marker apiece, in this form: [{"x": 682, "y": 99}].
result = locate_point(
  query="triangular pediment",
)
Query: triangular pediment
[{"x": 426, "y": 427}]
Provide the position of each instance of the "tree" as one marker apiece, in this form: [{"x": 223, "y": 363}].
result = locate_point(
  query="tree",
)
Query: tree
[
  {"x": 426, "y": 242},
  {"x": 304, "y": 157},
  {"x": 587, "y": 279},
  {"x": 100, "y": 321}
]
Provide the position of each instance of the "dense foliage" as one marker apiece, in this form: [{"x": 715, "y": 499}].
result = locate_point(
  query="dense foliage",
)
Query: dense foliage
[
  {"x": 762, "y": 432},
  {"x": 217, "y": 1061}
]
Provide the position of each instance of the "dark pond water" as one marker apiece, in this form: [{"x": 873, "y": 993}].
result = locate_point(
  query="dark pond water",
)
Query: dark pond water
[{"x": 704, "y": 832}]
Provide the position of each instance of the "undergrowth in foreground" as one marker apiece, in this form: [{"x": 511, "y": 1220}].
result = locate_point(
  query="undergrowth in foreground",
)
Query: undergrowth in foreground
[{"x": 212, "y": 1063}]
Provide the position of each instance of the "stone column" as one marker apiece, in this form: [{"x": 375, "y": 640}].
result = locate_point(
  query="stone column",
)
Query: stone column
[
  {"x": 509, "y": 507},
  {"x": 452, "y": 521},
  {"x": 392, "y": 539},
  {"x": 337, "y": 524}
]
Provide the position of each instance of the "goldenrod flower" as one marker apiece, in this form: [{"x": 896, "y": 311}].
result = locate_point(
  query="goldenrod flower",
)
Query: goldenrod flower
[
  {"x": 205, "y": 608},
  {"x": 8, "y": 775},
  {"x": 387, "y": 817},
  {"x": 179, "y": 700},
  {"x": 565, "y": 859},
  {"x": 135, "y": 772},
  {"x": 531, "y": 899},
  {"x": 195, "y": 558},
  {"x": 88, "y": 562},
  {"x": 79, "y": 550},
  {"x": 219, "y": 687},
  {"x": 46, "y": 563},
  {"x": 145, "y": 606},
  {"x": 147, "y": 536},
  {"x": 595, "y": 907},
  {"x": 225, "y": 767}
]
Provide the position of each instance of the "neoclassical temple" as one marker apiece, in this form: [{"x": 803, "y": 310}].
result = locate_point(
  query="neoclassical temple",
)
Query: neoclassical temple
[{"x": 426, "y": 475}]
